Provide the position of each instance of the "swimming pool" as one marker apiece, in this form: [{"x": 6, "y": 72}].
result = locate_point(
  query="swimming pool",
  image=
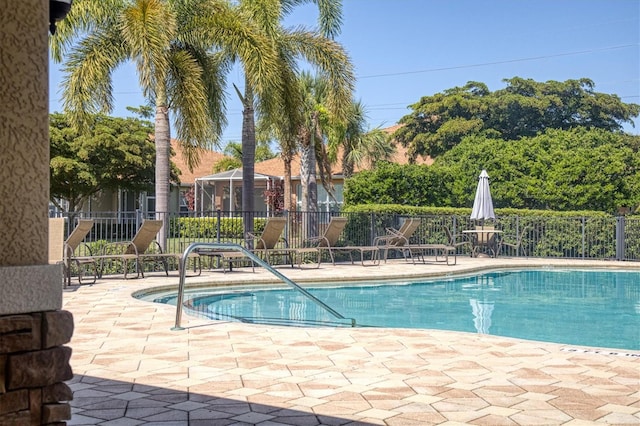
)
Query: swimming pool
[{"x": 598, "y": 308}]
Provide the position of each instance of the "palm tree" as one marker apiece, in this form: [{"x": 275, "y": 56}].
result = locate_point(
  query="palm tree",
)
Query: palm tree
[
  {"x": 172, "y": 43},
  {"x": 323, "y": 121},
  {"x": 361, "y": 146},
  {"x": 314, "y": 47},
  {"x": 312, "y": 135}
]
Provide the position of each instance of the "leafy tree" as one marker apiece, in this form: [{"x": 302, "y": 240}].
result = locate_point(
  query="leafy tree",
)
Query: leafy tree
[
  {"x": 173, "y": 44},
  {"x": 563, "y": 170},
  {"x": 391, "y": 183},
  {"x": 233, "y": 159},
  {"x": 263, "y": 151},
  {"x": 577, "y": 169},
  {"x": 312, "y": 135},
  {"x": 110, "y": 154},
  {"x": 321, "y": 117},
  {"x": 524, "y": 108}
]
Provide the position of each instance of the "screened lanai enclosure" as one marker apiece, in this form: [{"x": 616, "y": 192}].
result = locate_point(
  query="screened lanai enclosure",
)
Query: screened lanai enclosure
[{"x": 223, "y": 191}]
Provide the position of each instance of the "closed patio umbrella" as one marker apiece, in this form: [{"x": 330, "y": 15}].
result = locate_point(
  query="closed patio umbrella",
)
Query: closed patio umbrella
[{"x": 483, "y": 205}]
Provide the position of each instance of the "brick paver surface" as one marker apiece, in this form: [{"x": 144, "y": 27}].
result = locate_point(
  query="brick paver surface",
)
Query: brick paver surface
[{"x": 131, "y": 368}]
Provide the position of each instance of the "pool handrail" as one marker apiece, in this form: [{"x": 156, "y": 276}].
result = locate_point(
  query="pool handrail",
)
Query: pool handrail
[{"x": 236, "y": 247}]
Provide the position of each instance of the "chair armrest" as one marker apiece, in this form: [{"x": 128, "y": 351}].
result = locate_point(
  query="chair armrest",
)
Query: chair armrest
[
  {"x": 393, "y": 231},
  {"x": 383, "y": 240},
  {"x": 315, "y": 241},
  {"x": 254, "y": 238},
  {"x": 157, "y": 247},
  {"x": 508, "y": 239},
  {"x": 87, "y": 249},
  {"x": 118, "y": 248}
]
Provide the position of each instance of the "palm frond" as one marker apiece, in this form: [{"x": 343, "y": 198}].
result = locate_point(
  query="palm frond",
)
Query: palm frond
[
  {"x": 148, "y": 27},
  {"x": 87, "y": 83},
  {"x": 193, "y": 124},
  {"x": 329, "y": 16},
  {"x": 85, "y": 17},
  {"x": 267, "y": 14},
  {"x": 332, "y": 61}
]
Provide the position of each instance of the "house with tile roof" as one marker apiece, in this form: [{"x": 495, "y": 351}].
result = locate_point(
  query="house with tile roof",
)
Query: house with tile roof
[
  {"x": 129, "y": 201},
  {"x": 178, "y": 197},
  {"x": 223, "y": 190},
  {"x": 212, "y": 191}
]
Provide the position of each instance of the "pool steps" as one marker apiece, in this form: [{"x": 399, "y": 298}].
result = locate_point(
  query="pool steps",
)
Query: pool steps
[{"x": 238, "y": 248}]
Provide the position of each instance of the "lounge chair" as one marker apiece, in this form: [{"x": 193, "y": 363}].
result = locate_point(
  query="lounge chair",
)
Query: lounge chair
[
  {"x": 71, "y": 245},
  {"x": 143, "y": 248},
  {"x": 382, "y": 243},
  {"x": 327, "y": 241},
  {"x": 373, "y": 251},
  {"x": 267, "y": 243},
  {"x": 398, "y": 239},
  {"x": 225, "y": 258}
]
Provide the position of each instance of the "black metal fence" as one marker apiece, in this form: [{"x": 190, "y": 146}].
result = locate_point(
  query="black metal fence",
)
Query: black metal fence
[{"x": 615, "y": 238}]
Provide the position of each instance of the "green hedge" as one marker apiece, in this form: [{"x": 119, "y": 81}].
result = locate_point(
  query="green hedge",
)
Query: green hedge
[
  {"x": 206, "y": 227},
  {"x": 462, "y": 211}
]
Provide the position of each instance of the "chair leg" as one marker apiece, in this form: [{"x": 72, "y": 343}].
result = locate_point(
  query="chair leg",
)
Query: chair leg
[
  {"x": 333, "y": 261},
  {"x": 81, "y": 270}
]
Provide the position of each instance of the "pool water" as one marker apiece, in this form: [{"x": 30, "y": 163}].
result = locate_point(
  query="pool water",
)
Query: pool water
[{"x": 580, "y": 307}]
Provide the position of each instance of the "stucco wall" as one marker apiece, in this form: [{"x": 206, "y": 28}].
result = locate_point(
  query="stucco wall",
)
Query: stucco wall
[{"x": 24, "y": 132}]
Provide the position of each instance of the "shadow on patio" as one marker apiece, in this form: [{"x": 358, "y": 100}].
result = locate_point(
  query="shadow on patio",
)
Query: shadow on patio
[{"x": 102, "y": 401}]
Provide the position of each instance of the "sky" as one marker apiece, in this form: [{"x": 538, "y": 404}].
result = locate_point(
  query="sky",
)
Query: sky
[{"x": 405, "y": 49}]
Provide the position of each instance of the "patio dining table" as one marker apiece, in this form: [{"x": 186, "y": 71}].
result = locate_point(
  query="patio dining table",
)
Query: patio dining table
[{"x": 482, "y": 239}]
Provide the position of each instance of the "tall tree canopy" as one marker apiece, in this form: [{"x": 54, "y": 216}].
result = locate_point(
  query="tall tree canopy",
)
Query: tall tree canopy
[
  {"x": 524, "y": 108},
  {"x": 391, "y": 183},
  {"x": 174, "y": 44},
  {"x": 109, "y": 154},
  {"x": 576, "y": 169}
]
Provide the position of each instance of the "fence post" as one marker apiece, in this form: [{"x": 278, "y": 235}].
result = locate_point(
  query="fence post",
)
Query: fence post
[
  {"x": 218, "y": 217},
  {"x": 620, "y": 246},
  {"x": 138, "y": 219},
  {"x": 584, "y": 237},
  {"x": 287, "y": 235},
  {"x": 373, "y": 227}
]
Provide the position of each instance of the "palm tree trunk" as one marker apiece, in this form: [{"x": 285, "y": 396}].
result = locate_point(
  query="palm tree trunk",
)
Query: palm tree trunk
[
  {"x": 248, "y": 158},
  {"x": 163, "y": 146},
  {"x": 347, "y": 165},
  {"x": 309, "y": 189},
  {"x": 287, "y": 182},
  {"x": 312, "y": 227},
  {"x": 304, "y": 177}
]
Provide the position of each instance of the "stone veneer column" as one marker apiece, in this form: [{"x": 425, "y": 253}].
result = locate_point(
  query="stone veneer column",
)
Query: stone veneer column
[{"x": 33, "y": 328}]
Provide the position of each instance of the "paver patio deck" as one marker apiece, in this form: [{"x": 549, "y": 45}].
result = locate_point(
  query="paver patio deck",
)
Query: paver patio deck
[{"x": 130, "y": 368}]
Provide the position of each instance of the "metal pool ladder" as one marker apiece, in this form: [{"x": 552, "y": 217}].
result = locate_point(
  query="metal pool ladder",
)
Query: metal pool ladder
[{"x": 235, "y": 247}]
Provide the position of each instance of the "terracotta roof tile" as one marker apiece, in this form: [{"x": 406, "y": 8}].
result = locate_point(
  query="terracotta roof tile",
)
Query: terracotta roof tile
[
  {"x": 207, "y": 160},
  {"x": 275, "y": 166}
]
